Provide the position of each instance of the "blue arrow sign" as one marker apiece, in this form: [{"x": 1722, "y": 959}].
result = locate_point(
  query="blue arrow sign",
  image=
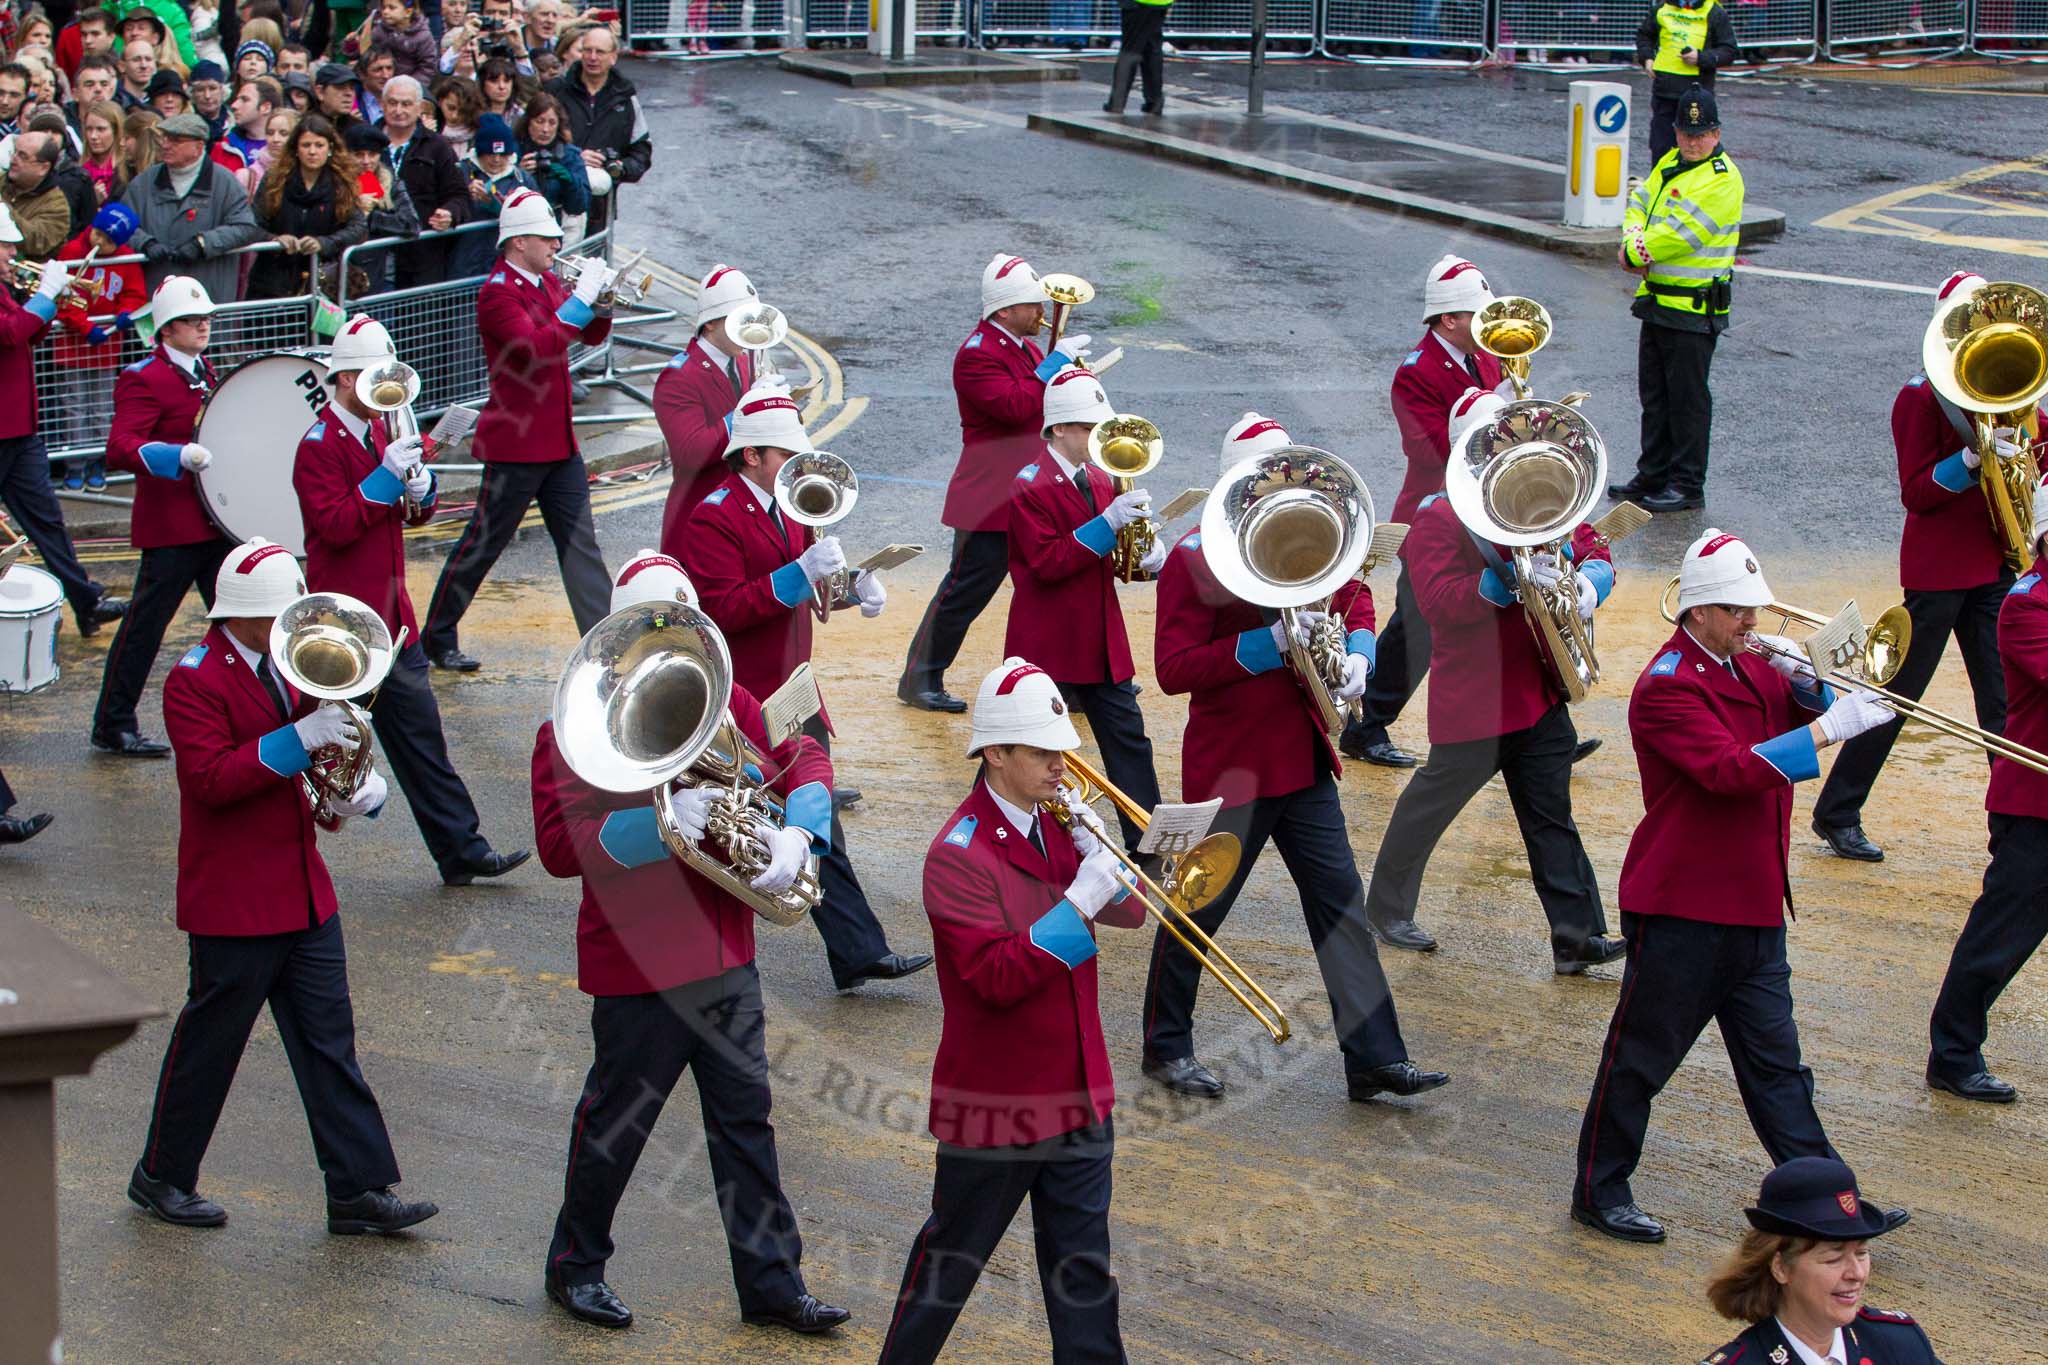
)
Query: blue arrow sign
[{"x": 1610, "y": 114}]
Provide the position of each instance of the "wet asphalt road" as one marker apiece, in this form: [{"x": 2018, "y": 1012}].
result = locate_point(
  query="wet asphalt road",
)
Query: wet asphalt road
[{"x": 1285, "y": 1226}]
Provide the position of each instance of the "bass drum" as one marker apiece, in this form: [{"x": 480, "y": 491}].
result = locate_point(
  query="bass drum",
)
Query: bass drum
[
  {"x": 252, "y": 423},
  {"x": 31, "y": 603}
]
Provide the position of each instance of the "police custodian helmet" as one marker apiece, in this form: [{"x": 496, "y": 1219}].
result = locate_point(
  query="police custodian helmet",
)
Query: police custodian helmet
[{"x": 1697, "y": 112}]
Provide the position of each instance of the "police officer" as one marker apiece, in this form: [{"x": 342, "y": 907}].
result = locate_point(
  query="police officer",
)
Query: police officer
[
  {"x": 668, "y": 959},
  {"x": 358, "y": 490},
  {"x": 1021, "y": 1085},
  {"x": 1720, "y": 737},
  {"x": 1064, "y": 520},
  {"x": 256, "y": 901},
  {"x": 1680, "y": 233},
  {"x": 695, "y": 394},
  {"x": 2009, "y": 919},
  {"x": 757, "y": 572},
  {"x": 1496, "y": 707},
  {"x": 1952, "y": 567},
  {"x": 1681, "y": 43},
  {"x": 999, "y": 379}
]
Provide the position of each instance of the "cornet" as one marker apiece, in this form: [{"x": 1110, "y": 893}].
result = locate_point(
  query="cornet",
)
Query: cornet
[
  {"x": 77, "y": 289},
  {"x": 818, "y": 489},
  {"x": 1127, "y": 448},
  {"x": 332, "y": 646},
  {"x": 622, "y": 289}
]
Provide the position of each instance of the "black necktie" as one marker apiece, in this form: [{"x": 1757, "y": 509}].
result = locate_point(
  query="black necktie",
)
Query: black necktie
[
  {"x": 1087, "y": 487},
  {"x": 1472, "y": 368},
  {"x": 732, "y": 372},
  {"x": 1037, "y": 839},
  {"x": 274, "y": 687}
]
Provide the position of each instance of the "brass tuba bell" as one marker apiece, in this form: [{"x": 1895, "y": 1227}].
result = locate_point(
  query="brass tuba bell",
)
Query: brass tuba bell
[{"x": 1987, "y": 353}]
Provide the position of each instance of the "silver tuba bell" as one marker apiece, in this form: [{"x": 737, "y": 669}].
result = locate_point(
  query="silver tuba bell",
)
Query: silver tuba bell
[
  {"x": 642, "y": 706},
  {"x": 758, "y": 328},
  {"x": 334, "y": 647},
  {"x": 1286, "y": 530},
  {"x": 1526, "y": 479},
  {"x": 817, "y": 488}
]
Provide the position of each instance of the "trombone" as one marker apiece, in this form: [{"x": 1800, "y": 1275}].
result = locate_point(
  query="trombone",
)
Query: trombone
[
  {"x": 332, "y": 646},
  {"x": 1876, "y": 653},
  {"x": 1187, "y": 881},
  {"x": 1987, "y": 353},
  {"x": 1065, "y": 293},
  {"x": 1127, "y": 448},
  {"x": 1512, "y": 329},
  {"x": 818, "y": 489}
]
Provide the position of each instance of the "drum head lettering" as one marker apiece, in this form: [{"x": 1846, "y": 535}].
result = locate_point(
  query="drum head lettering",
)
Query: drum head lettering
[{"x": 252, "y": 423}]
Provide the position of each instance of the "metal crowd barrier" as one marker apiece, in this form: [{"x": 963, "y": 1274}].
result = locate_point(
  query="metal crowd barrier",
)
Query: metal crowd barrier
[
  {"x": 1787, "y": 29},
  {"x": 1425, "y": 30},
  {"x": 1073, "y": 23},
  {"x": 708, "y": 19},
  {"x": 1931, "y": 24},
  {"x": 2008, "y": 24}
]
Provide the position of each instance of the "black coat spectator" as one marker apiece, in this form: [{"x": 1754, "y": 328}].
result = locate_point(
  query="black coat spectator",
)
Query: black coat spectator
[
  {"x": 604, "y": 115},
  {"x": 308, "y": 201},
  {"x": 433, "y": 176}
]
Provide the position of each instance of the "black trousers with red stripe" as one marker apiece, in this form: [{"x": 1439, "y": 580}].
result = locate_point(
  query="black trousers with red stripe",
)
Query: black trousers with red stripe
[
  {"x": 643, "y": 1043},
  {"x": 1682, "y": 973},
  {"x": 981, "y": 561},
  {"x": 976, "y": 1192},
  {"x": 165, "y": 575}
]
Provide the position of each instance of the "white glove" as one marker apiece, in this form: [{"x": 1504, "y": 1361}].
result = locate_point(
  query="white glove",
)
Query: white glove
[
  {"x": 1086, "y": 829},
  {"x": 1305, "y": 623},
  {"x": 1096, "y": 884},
  {"x": 53, "y": 279},
  {"x": 787, "y": 847},
  {"x": 692, "y": 807},
  {"x": 419, "y": 484},
  {"x": 1973, "y": 458},
  {"x": 822, "y": 560},
  {"x": 1127, "y": 508},
  {"x": 1544, "y": 571},
  {"x": 1072, "y": 347},
  {"x": 1792, "y": 665},
  {"x": 1855, "y": 710},
  {"x": 1589, "y": 596},
  {"x": 402, "y": 454},
  {"x": 328, "y": 727},
  {"x": 195, "y": 456},
  {"x": 1155, "y": 558},
  {"x": 872, "y": 596},
  {"x": 1356, "y": 671},
  {"x": 370, "y": 798},
  {"x": 591, "y": 282}
]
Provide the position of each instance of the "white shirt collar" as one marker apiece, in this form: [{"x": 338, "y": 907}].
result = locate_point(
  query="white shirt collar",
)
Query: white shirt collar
[
  {"x": 717, "y": 352},
  {"x": 766, "y": 499},
  {"x": 1696, "y": 640},
  {"x": 1071, "y": 471},
  {"x": 1460, "y": 356},
  {"x": 1006, "y": 331},
  {"x": 251, "y": 657},
  {"x": 1837, "y": 1354},
  {"x": 1019, "y": 818},
  {"x": 188, "y": 363},
  {"x": 357, "y": 427},
  {"x": 522, "y": 272}
]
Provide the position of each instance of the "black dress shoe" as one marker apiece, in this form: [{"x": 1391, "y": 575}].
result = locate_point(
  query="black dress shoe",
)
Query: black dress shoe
[
  {"x": 376, "y": 1211},
  {"x": 1624, "y": 1222},
  {"x": 887, "y": 967},
  {"x": 1403, "y": 933},
  {"x": 1979, "y": 1085},
  {"x": 453, "y": 660},
  {"x": 1402, "y": 1078},
  {"x": 108, "y": 608},
  {"x": 492, "y": 864},
  {"x": 842, "y": 797},
  {"x": 1185, "y": 1076},
  {"x": 931, "y": 699},
  {"x": 130, "y": 745},
  {"x": 1586, "y": 747},
  {"x": 1382, "y": 752},
  {"x": 186, "y": 1208},
  {"x": 16, "y": 829},
  {"x": 1669, "y": 500},
  {"x": 1627, "y": 492},
  {"x": 1591, "y": 953},
  {"x": 594, "y": 1303},
  {"x": 801, "y": 1314},
  {"x": 1849, "y": 841}
]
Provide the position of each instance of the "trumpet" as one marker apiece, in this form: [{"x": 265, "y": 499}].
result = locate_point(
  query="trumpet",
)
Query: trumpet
[
  {"x": 1512, "y": 329},
  {"x": 1065, "y": 293},
  {"x": 1987, "y": 353},
  {"x": 817, "y": 488},
  {"x": 332, "y": 646},
  {"x": 1127, "y": 448},
  {"x": 622, "y": 289},
  {"x": 77, "y": 289},
  {"x": 1188, "y": 880}
]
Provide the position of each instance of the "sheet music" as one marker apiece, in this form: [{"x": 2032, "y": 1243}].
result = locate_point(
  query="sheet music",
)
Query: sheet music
[
  {"x": 1098, "y": 368},
  {"x": 796, "y": 701},
  {"x": 1385, "y": 544},
  {"x": 888, "y": 557},
  {"x": 1839, "y": 643},
  {"x": 1186, "y": 502},
  {"x": 1174, "y": 829},
  {"x": 455, "y": 424},
  {"x": 1622, "y": 521}
]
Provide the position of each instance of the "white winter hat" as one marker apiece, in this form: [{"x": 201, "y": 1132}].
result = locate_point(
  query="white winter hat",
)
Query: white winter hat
[
  {"x": 1007, "y": 280},
  {"x": 768, "y": 416},
  {"x": 652, "y": 577},
  {"x": 179, "y": 296},
  {"x": 1251, "y": 435},
  {"x": 1075, "y": 395},
  {"x": 8, "y": 231},
  {"x": 1019, "y": 704},
  {"x": 1719, "y": 570},
  {"x": 1473, "y": 407},
  {"x": 1454, "y": 285},
  {"x": 258, "y": 579},
  {"x": 363, "y": 343},
  {"x": 723, "y": 290},
  {"x": 526, "y": 214}
]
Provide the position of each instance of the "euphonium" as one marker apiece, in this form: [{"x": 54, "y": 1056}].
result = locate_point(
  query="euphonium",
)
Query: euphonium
[
  {"x": 1987, "y": 353},
  {"x": 1526, "y": 479},
  {"x": 1127, "y": 448},
  {"x": 331, "y": 646},
  {"x": 1286, "y": 530},
  {"x": 642, "y": 706},
  {"x": 758, "y": 328},
  {"x": 817, "y": 488},
  {"x": 1513, "y": 329}
]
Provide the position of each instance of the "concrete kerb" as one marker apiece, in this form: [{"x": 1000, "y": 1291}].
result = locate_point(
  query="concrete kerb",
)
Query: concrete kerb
[{"x": 944, "y": 66}]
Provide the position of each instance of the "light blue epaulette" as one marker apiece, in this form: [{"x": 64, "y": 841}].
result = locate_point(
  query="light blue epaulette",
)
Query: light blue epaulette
[
  {"x": 498, "y": 278},
  {"x": 318, "y": 431},
  {"x": 716, "y": 496},
  {"x": 2023, "y": 585},
  {"x": 972, "y": 342},
  {"x": 1427, "y": 501},
  {"x": 963, "y": 833},
  {"x": 1028, "y": 472},
  {"x": 141, "y": 364},
  {"x": 193, "y": 657},
  {"x": 1410, "y": 358},
  {"x": 1193, "y": 541},
  {"x": 1666, "y": 665}
]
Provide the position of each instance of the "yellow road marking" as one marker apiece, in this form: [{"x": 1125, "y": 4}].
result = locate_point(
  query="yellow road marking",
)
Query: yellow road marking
[{"x": 1882, "y": 216}]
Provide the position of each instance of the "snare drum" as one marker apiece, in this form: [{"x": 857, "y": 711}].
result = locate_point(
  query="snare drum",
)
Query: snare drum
[
  {"x": 252, "y": 424},
  {"x": 31, "y": 605}
]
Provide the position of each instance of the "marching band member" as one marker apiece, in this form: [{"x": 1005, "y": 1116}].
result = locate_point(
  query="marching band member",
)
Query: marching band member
[
  {"x": 526, "y": 435},
  {"x": 2006, "y": 924},
  {"x": 256, "y": 901},
  {"x": 1254, "y": 739},
  {"x": 668, "y": 959},
  {"x": 1953, "y": 570},
  {"x": 1720, "y": 736},
  {"x": 1064, "y": 519},
  {"x": 999, "y": 379},
  {"x": 756, "y": 572},
  {"x": 1497, "y": 707},
  {"x": 156, "y": 410},
  {"x": 1021, "y": 1085},
  {"x": 695, "y": 395},
  {"x": 358, "y": 491}
]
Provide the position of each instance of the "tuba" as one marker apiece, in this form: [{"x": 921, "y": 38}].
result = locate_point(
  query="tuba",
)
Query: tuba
[
  {"x": 642, "y": 706},
  {"x": 333, "y": 647},
  {"x": 1987, "y": 353},
  {"x": 1127, "y": 448},
  {"x": 817, "y": 488},
  {"x": 1526, "y": 480},
  {"x": 1286, "y": 530},
  {"x": 1512, "y": 329}
]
